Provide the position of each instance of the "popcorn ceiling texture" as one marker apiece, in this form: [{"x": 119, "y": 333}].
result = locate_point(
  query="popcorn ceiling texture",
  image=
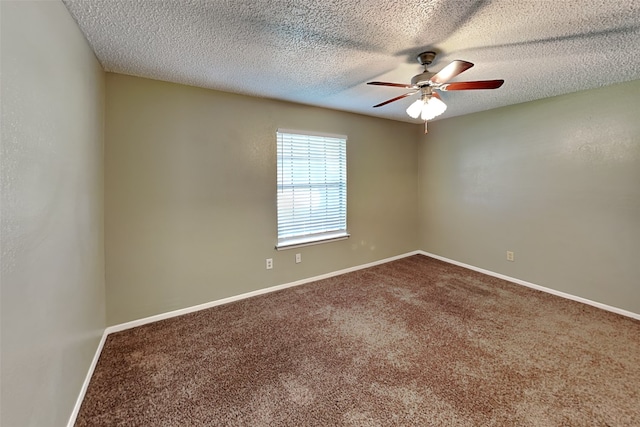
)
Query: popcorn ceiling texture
[{"x": 323, "y": 52}]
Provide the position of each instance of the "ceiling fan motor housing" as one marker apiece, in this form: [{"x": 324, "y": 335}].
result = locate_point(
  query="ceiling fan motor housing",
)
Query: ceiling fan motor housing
[{"x": 422, "y": 79}]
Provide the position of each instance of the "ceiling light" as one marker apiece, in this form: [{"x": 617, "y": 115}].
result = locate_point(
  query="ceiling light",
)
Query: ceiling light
[
  {"x": 415, "y": 109},
  {"x": 426, "y": 108},
  {"x": 432, "y": 107}
]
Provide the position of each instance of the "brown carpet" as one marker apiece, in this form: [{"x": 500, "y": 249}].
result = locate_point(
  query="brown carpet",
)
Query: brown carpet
[{"x": 414, "y": 342}]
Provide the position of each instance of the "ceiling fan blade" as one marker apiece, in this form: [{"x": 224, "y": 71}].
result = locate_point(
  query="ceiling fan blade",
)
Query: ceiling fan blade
[
  {"x": 481, "y": 84},
  {"x": 395, "y": 99},
  {"x": 390, "y": 84},
  {"x": 450, "y": 71}
]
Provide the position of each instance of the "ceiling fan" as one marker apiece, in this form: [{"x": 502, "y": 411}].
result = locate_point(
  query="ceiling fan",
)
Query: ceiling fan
[{"x": 427, "y": 83}]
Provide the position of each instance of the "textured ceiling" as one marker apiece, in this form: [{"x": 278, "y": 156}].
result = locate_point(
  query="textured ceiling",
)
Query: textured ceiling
[{"x": 323, "y": 52}]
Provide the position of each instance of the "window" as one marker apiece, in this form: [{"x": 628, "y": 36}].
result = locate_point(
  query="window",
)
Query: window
[{"x": 312, "y": 188}]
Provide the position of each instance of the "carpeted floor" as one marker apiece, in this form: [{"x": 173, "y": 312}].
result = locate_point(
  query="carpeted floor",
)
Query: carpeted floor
[{"x": 414, "y": 342}]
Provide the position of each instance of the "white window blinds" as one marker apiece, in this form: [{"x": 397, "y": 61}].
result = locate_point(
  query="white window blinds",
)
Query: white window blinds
[{"x": 312, "y": 187}]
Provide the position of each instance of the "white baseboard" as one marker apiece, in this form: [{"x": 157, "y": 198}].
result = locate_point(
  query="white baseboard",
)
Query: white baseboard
[
  {"x": 537, "y": 287},
  {"x": 182, "y": 311},
  {"x": 87, "y": 379}
]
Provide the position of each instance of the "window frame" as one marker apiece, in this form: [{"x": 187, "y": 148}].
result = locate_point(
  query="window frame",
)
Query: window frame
[{"x": 339, "y": 233}]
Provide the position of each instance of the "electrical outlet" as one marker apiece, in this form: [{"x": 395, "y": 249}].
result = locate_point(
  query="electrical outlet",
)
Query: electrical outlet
[
  {"x": 269, "y": 263},
  {"x": 510, "y": 256},
  {"x": 298, "y": 258}
]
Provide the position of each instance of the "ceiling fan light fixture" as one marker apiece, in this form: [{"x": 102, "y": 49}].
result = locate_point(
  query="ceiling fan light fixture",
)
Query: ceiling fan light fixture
[
  {"x": 415, "y": 109},
  {"x": 426, "y": 108},
  {"x": 432, "y": 108}
]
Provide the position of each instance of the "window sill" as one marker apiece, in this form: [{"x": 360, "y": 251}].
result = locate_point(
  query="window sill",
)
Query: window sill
[{"x": 298, "y": 243}]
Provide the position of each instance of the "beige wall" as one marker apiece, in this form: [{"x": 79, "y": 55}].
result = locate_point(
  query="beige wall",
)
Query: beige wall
[
  {"x": 190, "y": 207},
  {"x": 557, "y": 181},
  {"x": 52, "y": 266}
]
